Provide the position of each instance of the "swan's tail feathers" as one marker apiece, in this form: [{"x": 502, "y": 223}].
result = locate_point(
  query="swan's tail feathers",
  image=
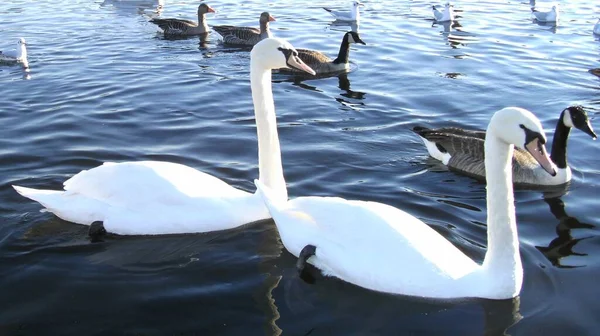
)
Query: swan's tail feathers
[
  {"x": 272, "y": 201},
  {"x": 81, "y": 210},
  {"x": 38, "y": 195}
]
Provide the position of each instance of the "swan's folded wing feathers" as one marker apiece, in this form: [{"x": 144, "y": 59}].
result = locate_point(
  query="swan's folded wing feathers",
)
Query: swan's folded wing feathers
[{"x": 133, "y": 184}]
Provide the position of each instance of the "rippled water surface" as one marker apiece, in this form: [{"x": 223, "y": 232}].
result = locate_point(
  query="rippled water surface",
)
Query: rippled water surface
[{"x": 105, "y": 86}]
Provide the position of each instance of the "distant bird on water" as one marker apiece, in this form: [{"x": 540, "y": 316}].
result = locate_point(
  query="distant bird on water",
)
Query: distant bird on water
[
  {"x": 550, "y": 16},
  {"x": 183, "y": 27},
  {"x": 246, "y": 36},
  {"x": 352, "y": 15},
  {"x": 16, "y": 56},
  {"x": 447, "y": 14},
  {"x": 597, "y": 28}
]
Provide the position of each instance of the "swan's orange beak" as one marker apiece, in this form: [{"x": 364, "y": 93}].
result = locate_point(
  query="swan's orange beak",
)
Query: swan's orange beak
[{"x": 539, "y": 153}]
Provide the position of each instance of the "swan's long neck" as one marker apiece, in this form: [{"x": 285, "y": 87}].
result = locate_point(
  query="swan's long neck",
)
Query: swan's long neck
[
  {"x": 269, "y": 152},
  {"x": 344, "y": 52},
  {"x": 559, "y": 144},
  {"x": 502, "y": 260}
]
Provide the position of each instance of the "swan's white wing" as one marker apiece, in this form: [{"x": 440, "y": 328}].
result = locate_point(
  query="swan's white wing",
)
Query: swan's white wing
[
  {"x": 130, "y": 184},
  {"x": 150, "y": 198},
  {"x": 372, "y": 245}
]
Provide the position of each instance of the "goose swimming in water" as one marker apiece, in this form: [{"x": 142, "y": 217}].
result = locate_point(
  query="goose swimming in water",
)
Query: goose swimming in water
[
  {"x": 185, "y": 27},
  {"x": 153, "y": 197},
  {"x": 550, "y": 16},
  {"x": 382, "y": 248},
  {"x": 445, "y": 15},
  {"x": 352, "y": 15},
  {"x": 18, "y": 55},
  {"x": 322, "y": 64},
  {"x": 463, "y": 150},
  {"x": 246, "y": 36}
]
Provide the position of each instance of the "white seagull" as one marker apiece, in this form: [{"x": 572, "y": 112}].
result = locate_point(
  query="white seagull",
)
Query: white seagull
[
  {"x": 551, "y": 16},
  {"x": 443, "y": 15},
  {"x": 16, "y": 56},
  {"x": 352, "y": 15}
]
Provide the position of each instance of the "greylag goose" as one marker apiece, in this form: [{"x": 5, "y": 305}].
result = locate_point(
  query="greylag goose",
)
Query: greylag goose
[
  {"x": 18, "y": 55},
  {"x": 247, "y": 36},
  {"x": 445, "y": 15},
  {"x": 550, "y": 16},
  {"x": 463, "y": 150},
  {"x": 183, "y": 27},
  {"x": 352, "y": 15},
  {"x": 321, "y": 63}
]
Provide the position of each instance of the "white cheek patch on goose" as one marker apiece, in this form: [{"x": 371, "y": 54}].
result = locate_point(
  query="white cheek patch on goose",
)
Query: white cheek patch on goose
[{"x": 567, "y": 119}]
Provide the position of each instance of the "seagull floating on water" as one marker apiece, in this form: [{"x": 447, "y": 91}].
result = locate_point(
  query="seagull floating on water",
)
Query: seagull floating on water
[
  {"x": 551, "y": 16},
  {"x": 16, "y": 56},
  {"x": 443, "y": 15},
  {"x": 597, "y": 28},
  {"x": 352, "y": 15}
]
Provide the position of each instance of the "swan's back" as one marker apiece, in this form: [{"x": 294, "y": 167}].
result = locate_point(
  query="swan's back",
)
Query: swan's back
[
  {"x": 373, "y": 245},
  {"x": 132, "y": 183}
]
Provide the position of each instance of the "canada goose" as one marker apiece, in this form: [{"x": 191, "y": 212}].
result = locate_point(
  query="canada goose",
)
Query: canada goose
[
  {"x": 382, "y": 248},
  {"x": 153, "y": 197},
  {"x": 185, "y": 27},
  {"x": 247, "y": 36},
  {"x": 321, "y": 63},
  {"x": 463, "y": 150}
]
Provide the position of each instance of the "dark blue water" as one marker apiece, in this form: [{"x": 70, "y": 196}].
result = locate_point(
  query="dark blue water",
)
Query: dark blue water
[{"x": 104, "y": 86}]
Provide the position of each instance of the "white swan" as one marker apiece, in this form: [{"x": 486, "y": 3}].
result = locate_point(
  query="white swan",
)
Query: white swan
[
  {"x": 151, "y": 197},
  {"x": 382, "y": 248}
]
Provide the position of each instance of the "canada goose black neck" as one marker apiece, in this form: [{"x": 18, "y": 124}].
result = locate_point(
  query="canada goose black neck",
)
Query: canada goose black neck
[
  {"x": 559, "y": 143},
  {"x": 344, "y": 52}
]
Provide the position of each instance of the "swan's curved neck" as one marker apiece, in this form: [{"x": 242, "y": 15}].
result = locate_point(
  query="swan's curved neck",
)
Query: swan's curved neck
[
  {"x": 502, "y": 259},
  {"x": 559, "y": 144},
  {"x": 269, "y": 153},
  {"x": 344, "y": 52}
]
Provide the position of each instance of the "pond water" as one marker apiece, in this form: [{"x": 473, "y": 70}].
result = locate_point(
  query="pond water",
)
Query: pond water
[{"x": 104, "y": 85}]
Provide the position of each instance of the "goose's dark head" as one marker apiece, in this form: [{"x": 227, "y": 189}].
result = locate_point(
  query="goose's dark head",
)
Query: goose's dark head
[
  {"x": 265, "y": 17},
  {"x": 204, "y": 8},
  {"x": 575, "y": 116},
  {"x": 353, "y": 37}
]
